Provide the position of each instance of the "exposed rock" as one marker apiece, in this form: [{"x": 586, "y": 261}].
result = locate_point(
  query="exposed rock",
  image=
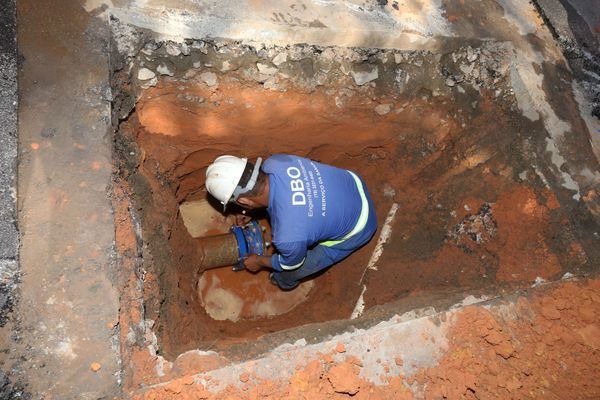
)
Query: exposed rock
[
  {"x": 252, "y": 73},
  {"x": 266, "y": 69},
  {"x": 150, "y": 47},
  {"x": 189, "y": 74},
  {"x": 173, "y": 49},
  {"x": 345, "y": 67},
  {"x": 401, "y": 76},
  {"x": 185, "y": 50},
  {"x": 280, "y": 59},
  {"x": 365, "y": 76},
  {"x": 271, "y": 84},
  {"x": 145, "y": 74},
  {"x": 190, "y": 97},
  {"x": 344, "y": 378},
  {"x": 323, "y": 65},
  {"x": 200, "y": 45},
  {"x": 95, "y": 366},
  {"x": 328, "y": 54},
  {"x": 471, "y": 55},
  {"x": 226, "y": 66},
  {"x": 467, "y": 69},
  {"x": 164, "y": 69},
  {"x": 148, "y": 84},
  {"x": 398, "y": 58},
  {"x": 210, "y": 78},
  {"x": 383, "y": 109}
]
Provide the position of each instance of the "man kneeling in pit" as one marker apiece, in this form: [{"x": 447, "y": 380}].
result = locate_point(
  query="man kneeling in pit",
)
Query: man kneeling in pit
[{"x": 319, "y": 214}]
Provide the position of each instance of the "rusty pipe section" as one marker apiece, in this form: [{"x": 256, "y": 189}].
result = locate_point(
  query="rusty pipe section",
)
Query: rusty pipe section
[
  {"x": 218, "y": 251},
  {"x": 232, "y": 248}
]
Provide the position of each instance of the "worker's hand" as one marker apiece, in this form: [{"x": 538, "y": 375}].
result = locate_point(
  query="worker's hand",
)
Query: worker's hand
[
  {"x": 255, "y": 263},
  {"x": 252, "y": 263},
  {"x": 242, "y": 219}
]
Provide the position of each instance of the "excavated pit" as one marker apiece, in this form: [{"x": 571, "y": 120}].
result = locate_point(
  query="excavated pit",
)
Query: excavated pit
[{"x": 456, "y": 173}]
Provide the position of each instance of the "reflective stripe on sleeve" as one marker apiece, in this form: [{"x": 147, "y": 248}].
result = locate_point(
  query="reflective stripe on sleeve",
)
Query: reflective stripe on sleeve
[{"x": 290, "y": 267}]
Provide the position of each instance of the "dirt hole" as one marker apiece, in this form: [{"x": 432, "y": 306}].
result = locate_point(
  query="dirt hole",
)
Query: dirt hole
[{"x": 435, "y": 136}]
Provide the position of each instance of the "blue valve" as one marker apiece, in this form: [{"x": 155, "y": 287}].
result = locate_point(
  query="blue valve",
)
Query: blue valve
[{"x": 250, "y": 241}]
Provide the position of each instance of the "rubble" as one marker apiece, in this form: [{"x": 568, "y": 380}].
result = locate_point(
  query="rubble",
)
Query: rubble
[
  {"x": 165, "y": 69},
  {"x": 145, "y": 74},
  {"x": 210, "y": 78},
  {"x": 383, "y": 109},
  {"x": 280, "y": 59},
  {"x": 365, "y": 75},
  {"x": 173, "y": 49},
  {"x": 266, "y": 69}
]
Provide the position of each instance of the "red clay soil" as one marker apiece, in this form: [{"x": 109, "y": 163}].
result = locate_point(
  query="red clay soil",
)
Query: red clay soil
[
  {"x": 550, "y": 350},
  {"x": 465, "y": 220}
]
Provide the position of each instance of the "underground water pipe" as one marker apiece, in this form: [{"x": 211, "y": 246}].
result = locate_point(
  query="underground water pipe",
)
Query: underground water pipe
[{"x": 232, "y": 248}]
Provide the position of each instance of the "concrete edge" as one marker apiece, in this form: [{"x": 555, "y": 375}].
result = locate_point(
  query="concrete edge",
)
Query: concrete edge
[{"x": 419, "y": 337}]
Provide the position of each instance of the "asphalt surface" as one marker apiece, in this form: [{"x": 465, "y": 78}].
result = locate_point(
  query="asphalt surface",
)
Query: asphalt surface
[
  {"x": 9, "y": 238},
  {"x": 8, "y": 132}
]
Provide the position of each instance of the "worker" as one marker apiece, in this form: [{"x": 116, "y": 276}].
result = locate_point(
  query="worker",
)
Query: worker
[{"x": 319, "y": 214}]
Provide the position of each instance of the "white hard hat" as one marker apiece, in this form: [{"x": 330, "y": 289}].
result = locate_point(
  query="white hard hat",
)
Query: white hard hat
[{"x": 223, "y": 178}]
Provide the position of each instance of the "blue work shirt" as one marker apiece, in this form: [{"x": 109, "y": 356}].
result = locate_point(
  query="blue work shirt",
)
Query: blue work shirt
[{"x": 309, "y": 202}]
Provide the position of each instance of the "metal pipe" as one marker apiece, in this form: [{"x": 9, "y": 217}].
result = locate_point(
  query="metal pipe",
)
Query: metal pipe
[
  {"x": 231, "y": 248},
  {"x": 218, "y": 251}
]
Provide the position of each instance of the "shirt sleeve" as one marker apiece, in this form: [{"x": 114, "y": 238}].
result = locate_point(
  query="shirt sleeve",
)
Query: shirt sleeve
[{"x": 289, "y": 256}]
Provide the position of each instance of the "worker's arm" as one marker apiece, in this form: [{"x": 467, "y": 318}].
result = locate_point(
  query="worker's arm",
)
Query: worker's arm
[
  {"x": 289, "y": 256},
  {"x": 254, "y": 262}
]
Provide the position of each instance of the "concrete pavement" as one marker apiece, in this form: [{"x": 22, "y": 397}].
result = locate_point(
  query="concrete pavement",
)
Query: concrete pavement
[{"x": 67, "y": 314}]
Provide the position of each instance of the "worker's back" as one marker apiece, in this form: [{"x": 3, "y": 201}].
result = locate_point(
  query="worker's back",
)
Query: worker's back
[{"x": 310, "y": 202}]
